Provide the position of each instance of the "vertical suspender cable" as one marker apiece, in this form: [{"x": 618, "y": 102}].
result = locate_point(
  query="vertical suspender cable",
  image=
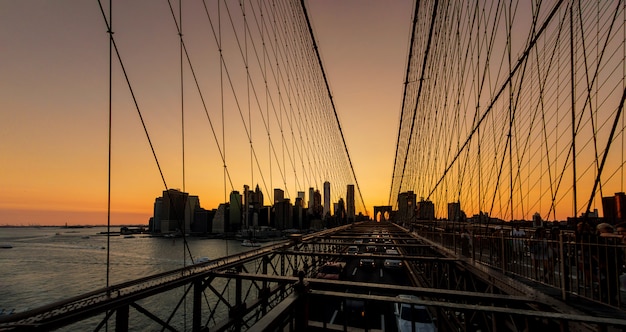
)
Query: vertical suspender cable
[
  {"x": 267, "y": 99},
  {"x": 182, "y": 134},
  {"x": 182, "y": 90},
  {"x": 499, "y": 92},
  {"x": 573, "y": 111},
  {"x": 110, "y": 32},
  {"x": 219, "y": 29},
  {"x": 510, "y": 137},
  {"x": 406, "y": 83},
  {"x": 319, "y": 59},
  {"x": 248, "y": 79},
  {"x": 183, "y": 225},
  {"x": 419, "y": 90}
]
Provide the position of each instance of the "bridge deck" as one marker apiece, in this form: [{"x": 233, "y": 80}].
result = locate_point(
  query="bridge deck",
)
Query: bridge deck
[{"x": 461, "y": 292}]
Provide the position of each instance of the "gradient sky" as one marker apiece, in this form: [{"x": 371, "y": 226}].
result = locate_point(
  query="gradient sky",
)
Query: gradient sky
[{"x": 54, "y": 113}]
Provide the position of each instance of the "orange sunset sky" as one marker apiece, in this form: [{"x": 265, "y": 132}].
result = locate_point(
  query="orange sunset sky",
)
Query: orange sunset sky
[{"x": 54, "y": 107}]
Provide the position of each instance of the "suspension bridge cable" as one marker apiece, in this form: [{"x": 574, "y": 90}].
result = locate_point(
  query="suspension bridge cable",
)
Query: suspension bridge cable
[
  {"x": 522, "y": 168},
  {"x": 331, "y": 101},
  {"x": 109, "y": 136}
]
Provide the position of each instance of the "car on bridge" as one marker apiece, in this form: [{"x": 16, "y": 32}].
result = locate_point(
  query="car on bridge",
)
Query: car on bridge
[
  {"x": 371, "y": 248},
  {"x": 392, "y": 263},
  {"x": 413, "y": 317},
  {"x": 352, "y": 250},
  {"x": 367, "y": 263}
]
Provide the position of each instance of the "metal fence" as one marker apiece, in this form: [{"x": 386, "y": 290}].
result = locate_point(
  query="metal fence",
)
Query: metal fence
[{"x": 582, "y": 264}]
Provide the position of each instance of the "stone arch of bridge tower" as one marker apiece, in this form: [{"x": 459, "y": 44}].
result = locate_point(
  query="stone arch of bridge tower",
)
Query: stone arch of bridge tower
[{"x": 385, "y": 212}]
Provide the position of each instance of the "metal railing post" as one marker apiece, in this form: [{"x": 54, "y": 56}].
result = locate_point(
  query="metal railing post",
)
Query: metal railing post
[
  {"x": 502, "y": 256},
  {"x": 562, "y": 267},
  {"x": 197, "y": 305},
  {"x": 121, "y": 319},
  {"x": 302, "y": 307}
]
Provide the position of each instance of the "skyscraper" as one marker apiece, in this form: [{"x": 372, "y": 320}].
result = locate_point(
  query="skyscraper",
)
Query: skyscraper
[
  {"x": 236, "y": 211},
  {"x": 279, "y": 195},
  {"x": 326, "y": 200},
  {"x": 192, "y": 204},
  {"x": 246, "y": 207},
  {"x": 406, "y": 206},
  {"x": 258, "y": 194},
  {"x": 614, "y": 208},
  {"x": 310, "y": 206},
  {"x": 317, "y": 204},
  {"x": 298, "y": 214},
  {"x": 350, "y": 203},
  {"x": 172, "y": 216},
  {"x": 283, "y": 214},
  {"x": 256, "y": 204},
  {"x": 454, "y": 211},
  {"x": 425, "y": 210}
]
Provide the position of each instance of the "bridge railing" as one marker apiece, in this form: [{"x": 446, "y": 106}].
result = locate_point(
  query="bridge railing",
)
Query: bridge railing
[
  {"x": 589, "y": 266},
  {"x": 247, "y": 302}
]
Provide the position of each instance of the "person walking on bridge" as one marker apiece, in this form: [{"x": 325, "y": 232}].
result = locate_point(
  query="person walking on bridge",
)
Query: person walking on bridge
[
  {"x": 518, "y": 236},
  {"x": 539, "y": 254}
]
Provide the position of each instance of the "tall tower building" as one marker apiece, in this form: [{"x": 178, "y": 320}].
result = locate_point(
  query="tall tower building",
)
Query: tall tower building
[
  {"x": 406, "y": 206},
  {"x": 620, "y": 206},
  {"x": 317, "y": 204},
  {"x": 425, "y": 210},
  {"x": 259, "y": 196},
  {"x": 173, "y": 211},
  {"x": 298, "y": 214},
  {"x": 256, "y": 203},
  {"x": 340, "y": 211},
  {"x": 155, "y": 225},
  {"x": 310, "y": 206},
  {"x": 246, "y": 206},
  {"x": 192, "y": 204},
  {"x": 283, "y": 214},
  {"x": 454, "y": 211},
  {"x": 219, "y": 220},
  {"x": 236, "y": 211},
  {"x": 350, "y": 203},
  {"x": 279, "y": 195},
  {"x": 614, "y": 208},
  {"x": 326, "y": 199}
]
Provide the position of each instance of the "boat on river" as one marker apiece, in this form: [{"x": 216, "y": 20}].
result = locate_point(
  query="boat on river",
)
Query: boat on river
[{"x": 250, "y": 243}]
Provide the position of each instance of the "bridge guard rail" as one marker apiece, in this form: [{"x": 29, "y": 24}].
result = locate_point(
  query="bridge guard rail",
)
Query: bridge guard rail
[{"x": 292, "y": 312}]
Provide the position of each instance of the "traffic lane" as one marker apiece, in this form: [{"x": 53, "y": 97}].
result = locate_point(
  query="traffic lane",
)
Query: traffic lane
[
  {"x": 376, "y": 275},
  {"x": 356, "y": 313}
]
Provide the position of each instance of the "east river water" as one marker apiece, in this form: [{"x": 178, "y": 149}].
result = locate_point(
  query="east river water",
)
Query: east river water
[{"x": 49, "y": 264}]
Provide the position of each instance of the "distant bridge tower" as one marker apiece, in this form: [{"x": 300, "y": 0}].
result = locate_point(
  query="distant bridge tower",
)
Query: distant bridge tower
[{"x": 385, "y": 212}]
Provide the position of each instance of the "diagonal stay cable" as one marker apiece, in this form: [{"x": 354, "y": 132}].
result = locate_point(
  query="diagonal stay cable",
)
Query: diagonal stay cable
[
  {"x": 520, "y": 61},
  {"x": 421, "y": 84},
  {"x": 406, "y": 83},
  {"x": 130, "y": 89},
  {"x": 308, "y": 21},
  {"x": 606, "y": 151},
  {"x": 230, "y": 81}
]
